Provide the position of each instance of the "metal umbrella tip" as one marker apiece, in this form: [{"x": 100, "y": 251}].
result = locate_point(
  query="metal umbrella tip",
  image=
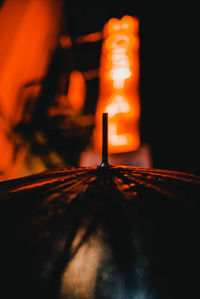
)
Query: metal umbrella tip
[{"x": 104, "y": 163}]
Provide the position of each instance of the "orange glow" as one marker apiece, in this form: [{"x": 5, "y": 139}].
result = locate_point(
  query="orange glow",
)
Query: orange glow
[
  {"x": 88, "y": 75},
  {"x": 65, "y": 41},
  {"x": 28, "y": 34},
  {"x": 119, "y": 82},
  {"x": 127, "y": 23},
  {"x": 25, "y": 29},
  {"x": 76, "y": 91},
  {"x": 117, "y": 105},
  {"x": 89, "y": 38}
]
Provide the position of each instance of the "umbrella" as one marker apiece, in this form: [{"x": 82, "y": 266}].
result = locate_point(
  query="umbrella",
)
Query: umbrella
[{"x": 100, "y": 232}]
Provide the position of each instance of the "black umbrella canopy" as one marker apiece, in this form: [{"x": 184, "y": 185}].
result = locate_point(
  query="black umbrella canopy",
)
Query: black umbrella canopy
[{"x": 100, "y": 232}]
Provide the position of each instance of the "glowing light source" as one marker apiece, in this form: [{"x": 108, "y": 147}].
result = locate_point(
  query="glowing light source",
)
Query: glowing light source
[
  {"x": 89, "y": 38},
  {"x": 28, "y": 35},
  {"x": 118, "y": 105},
  {"x": 76, "y": 91},
  {"x": 119, "y": 82}
]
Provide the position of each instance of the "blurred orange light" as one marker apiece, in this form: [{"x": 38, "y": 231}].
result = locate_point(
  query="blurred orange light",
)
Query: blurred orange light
[
  {"x": 117, "y": 105},
  {"x": 127, "y": 23},
  {"x": 65, "y": 41},
  {"x": 118, "y": 42},
  {"x": 76, "y": 91},
  {"x": 119, "y": 82},
  {"x": 28, "y": 35},
  {"x": 89, "y": 38}
]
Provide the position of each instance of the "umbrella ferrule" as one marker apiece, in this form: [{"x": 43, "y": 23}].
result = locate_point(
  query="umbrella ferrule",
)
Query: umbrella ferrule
[{"x": 104, "y": 162}]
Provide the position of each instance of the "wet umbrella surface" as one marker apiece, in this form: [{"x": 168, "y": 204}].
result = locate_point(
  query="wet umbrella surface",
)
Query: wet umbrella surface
[{"x": 108, "y": 232}]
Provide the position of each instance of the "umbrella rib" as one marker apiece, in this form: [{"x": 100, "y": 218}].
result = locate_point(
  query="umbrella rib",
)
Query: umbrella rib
[
  {"x": 158, "y": 189},
  {"x": 167, "y": 174},
  {"x": 41, "y": 181},
  {"x": 147, "y": 184},
  {"x": 47, "y": 181},
  {"x": 62, "y": 192},
  {"x": 72, "y": 186}
]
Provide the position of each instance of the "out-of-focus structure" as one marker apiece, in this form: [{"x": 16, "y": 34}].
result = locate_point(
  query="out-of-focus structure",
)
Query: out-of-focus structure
[
  {"x": 50, "y": 116},
  {"x": 119, "y": 85},
  {"x": 28, "y": 34},
  {"x": 119, "y": 96},
  {"x": 63, "y": 63}
]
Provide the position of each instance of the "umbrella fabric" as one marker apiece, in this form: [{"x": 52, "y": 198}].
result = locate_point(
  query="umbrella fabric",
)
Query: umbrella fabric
[{"x": 102, "y": 232}]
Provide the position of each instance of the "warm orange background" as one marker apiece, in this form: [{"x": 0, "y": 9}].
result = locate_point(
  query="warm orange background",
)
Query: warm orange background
[{"x": 28, "y": 31}]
